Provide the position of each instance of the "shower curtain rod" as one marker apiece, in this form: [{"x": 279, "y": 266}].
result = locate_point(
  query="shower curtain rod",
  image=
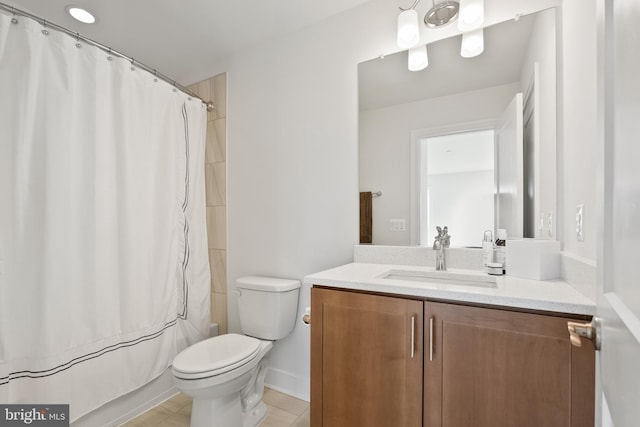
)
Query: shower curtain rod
[{"x": 14, "y": 11}]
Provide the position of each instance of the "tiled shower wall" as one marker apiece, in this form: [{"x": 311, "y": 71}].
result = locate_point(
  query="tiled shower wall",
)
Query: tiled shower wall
[{"x": 215, "y": 90}]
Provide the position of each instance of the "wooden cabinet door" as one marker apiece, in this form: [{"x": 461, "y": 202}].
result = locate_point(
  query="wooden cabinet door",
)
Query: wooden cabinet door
[
  {"x": 496, "y": 368},
  {"x": 366, "y": 360}
]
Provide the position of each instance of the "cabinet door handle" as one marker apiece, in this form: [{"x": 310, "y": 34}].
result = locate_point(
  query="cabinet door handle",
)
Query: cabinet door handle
[
  {"x": 413, "y": 336},
  {"x": 431, "y": 339}
]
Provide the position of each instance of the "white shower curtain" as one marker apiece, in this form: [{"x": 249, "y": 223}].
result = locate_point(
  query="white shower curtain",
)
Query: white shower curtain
[{"x": 104, "y": 272}]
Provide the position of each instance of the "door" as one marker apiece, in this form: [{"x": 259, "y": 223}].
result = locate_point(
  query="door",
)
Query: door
[
  {"x": 618, "y": 304},
  {"x": 509, "y": 169},
  {"x": 366, "y": 360},
  {"x": 488, "y": 367}
]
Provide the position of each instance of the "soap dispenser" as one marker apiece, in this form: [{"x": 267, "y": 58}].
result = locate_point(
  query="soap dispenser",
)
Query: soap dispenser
[{"x": 487, "y": 248}]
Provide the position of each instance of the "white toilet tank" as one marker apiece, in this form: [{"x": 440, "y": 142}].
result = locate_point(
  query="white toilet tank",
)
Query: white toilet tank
[{"x": 267, "y": 306}]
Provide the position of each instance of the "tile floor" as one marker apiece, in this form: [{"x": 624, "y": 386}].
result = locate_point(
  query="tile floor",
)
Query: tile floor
[{"x": 282, "y": 411}]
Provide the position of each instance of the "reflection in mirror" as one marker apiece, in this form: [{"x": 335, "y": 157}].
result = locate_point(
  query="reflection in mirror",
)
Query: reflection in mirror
[
  {"x": 453, "y": 95},
  {"x": 457, "y": 185}
]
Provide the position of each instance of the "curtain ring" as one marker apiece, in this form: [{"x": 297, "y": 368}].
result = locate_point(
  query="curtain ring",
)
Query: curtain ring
[
  {"x": 44, "y": 24},
  {"x": 109, "y": 57},
  {"x": 78, "y": 44},
  {"x": 133, "y": 68},
  {"x": 155, "y": 75}
]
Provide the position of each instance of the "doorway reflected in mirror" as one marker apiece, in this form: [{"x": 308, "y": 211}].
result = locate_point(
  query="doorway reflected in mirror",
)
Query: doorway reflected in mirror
[{"x": 457, "y": 186}]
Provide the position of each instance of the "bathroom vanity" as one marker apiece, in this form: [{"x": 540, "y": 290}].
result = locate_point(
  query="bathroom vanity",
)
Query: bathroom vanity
[{"x": 401, "y": 346}]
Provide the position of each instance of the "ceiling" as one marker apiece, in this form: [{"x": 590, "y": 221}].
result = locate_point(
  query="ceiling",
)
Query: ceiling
[
  {"x": 385, "y": 82},
  {"x": 179, "y": 37},
  {"x": 460, "y": 152}
]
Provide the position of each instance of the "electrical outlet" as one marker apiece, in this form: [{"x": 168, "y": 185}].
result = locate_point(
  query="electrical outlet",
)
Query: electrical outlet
[
  {"x": 541, "y": 224},
  {"x": 397, "y": 224},
  {"x": 579, "y": 222}
]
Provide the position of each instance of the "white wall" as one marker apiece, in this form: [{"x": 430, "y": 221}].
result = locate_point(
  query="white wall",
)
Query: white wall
[
  {"x": 292, "y": 165},
  {"x": 464, "y": 202},
  {"x": 292, "y": 156},
  {"x": 385, "y": 149},
  {"x": 579, "y": 132}
]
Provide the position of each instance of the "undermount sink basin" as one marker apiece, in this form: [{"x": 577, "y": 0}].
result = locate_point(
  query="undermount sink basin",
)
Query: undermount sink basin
[{"x": 441, "y": 277}]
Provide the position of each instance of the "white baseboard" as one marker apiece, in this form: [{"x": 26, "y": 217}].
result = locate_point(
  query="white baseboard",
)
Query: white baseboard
[
  {"x": 129, "y": 406},
  {"x": 286, "y": 383}
]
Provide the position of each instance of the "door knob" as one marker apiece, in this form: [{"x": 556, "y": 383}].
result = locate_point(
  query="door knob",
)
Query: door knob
[{"x": 589, "y": 330}]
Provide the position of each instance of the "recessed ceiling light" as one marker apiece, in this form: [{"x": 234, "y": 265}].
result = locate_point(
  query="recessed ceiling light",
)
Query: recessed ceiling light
[{"x": 81, "y": 14}]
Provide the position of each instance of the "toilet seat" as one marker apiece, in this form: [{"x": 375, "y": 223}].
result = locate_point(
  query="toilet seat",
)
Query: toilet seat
[{"x": 215, "y": 356}]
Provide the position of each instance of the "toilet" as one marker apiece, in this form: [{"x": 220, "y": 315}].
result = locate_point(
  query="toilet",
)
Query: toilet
[{"x": 225, "y": 374}]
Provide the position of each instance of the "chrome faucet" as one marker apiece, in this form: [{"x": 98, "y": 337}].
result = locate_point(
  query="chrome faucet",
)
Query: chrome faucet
[{"x": 441, "y": 241}]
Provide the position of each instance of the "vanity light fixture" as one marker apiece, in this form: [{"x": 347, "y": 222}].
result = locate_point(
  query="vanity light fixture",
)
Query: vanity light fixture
[
  {"x": 418, "y": 59},
  {"x": 441, "y": 13},
  {"x": 80, "y": 14},
  {"x": 471, "y": 15},
  {"x": 472, "y": 43},
  {"x": 408, "y": 30}
]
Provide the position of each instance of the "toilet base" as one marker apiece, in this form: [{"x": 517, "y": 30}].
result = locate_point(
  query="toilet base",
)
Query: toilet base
[
  {"x": 225, "y": 410},
  {"x": 232, "y": 399},
  {"x": 255, "y": 417}
]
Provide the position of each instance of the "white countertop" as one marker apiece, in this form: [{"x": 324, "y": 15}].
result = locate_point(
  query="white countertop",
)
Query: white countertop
[{"x": 551, "y": 295}]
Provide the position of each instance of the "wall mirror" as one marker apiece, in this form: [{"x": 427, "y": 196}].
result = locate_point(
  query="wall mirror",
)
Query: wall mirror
[{"x": 421, "y": 134}]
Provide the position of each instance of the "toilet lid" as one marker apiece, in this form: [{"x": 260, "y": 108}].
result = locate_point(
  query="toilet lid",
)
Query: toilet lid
[{"x": 216, "y": 355}]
